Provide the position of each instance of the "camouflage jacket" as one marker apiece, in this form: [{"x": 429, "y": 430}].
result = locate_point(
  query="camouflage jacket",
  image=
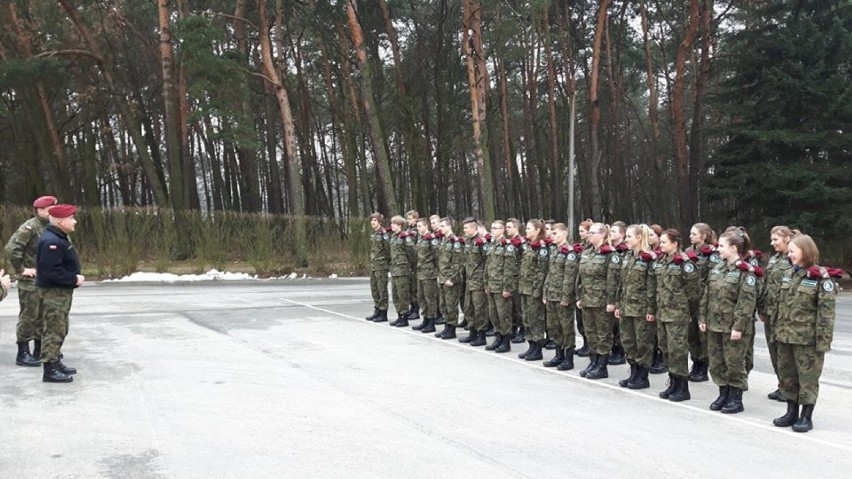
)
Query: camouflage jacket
[
  {"x": 411, "y": 233},
  {"x": 572, "y": 273},
  {"x": 503, "y": 266},
  {"x": 767, "y": 301},
  {"x": 634, "y": 295},
  {"x": 380, "y": 251},
  {"x": 556, "y": 272},
  {"x": 729, "y": 298},
  {"x": 806, "y": 308},
  {"x": 534, "y": 261},
  {"x": 21, "y": 249},
  {"x": 475, "y": 250},
  {"x": 400, "y": 254},
  {"x": 673, "y": 284},
  {"x": 427, "y": 257},
  {"x": 451, "y": 260},
  {"x": 598, "y": 276}
]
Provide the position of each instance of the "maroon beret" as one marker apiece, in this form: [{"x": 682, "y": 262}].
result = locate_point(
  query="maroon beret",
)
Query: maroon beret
[
  {"x": 62, "y": 211},
  {"x": 44, "y": 201}
]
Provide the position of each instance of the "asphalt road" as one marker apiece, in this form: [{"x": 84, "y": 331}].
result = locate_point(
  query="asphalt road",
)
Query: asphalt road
[{"x": 285, "y": 379}]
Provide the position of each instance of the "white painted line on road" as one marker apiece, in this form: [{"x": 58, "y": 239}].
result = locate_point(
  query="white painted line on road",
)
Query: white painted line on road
[{"x": 534, "y": 365}]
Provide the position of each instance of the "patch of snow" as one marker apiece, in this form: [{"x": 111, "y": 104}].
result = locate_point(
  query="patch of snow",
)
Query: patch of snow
[
  {"x": 333, "y": 276},
  {"x": 212, "y": 275}
]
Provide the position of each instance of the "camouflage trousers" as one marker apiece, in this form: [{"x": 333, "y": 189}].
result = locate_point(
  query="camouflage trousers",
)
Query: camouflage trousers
[
  {"x": 491, "y": 318},
  {"x": 697, "y": 342},
  {"x": 768, "y": 330},
  {"x": 672, "y": 341},
  {"x": 503, "y": 307},
  {"x": 727, "y": 360},
  {"x": 428, "y": 291},
  {"x": 379, "y": 289},
  {"x": 476, "y": 309},
  {"x": 799, "y": 369},
  {"x": 638, "y": 337},
  {"x": 517, "y": 310},
  {"x": 401, "y": 290},
  {"x": 534, "y": 321},
  {"x": 415, "y": 287},
  {"x": 450, "y": 297},
  {"x": 560, "y": 324},
  {"x": 748, "y": 335},
  {"x": 30, "y": 318},
  {"x": 56, "y": 303},
  {"x": 598, "y": 324}
]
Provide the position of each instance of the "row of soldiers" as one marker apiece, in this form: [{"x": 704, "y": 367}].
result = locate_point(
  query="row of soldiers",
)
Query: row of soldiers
[{"x": 637, "y": 290}]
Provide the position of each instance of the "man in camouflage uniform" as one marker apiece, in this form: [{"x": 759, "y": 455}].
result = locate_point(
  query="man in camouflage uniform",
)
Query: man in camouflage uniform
[
  {"x": 560, "y": 319},
  {"x": 501, "y": 285},
  {"x": 513, "y": 235},
  {"x": 57, "y": 274},
  {"x": 412, "y": 216},
  {"x": 21, "y": 250},
  {"x": 450, "y": 277},
  {"x": 379, "y": 268},
  {"x": 476, "y": 302},
  {"x": 401, "y": 251},
  {"x": 804, "y": 331},
  {"x": 427, "y": 275}
]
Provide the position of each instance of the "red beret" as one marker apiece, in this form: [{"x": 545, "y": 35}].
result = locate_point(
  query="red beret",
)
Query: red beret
[
  {"x": 44, "y": 201},
  {"x": 62, "y": 211}
]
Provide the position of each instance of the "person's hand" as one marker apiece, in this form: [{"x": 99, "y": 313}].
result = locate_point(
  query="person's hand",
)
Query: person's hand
[
  {"x": 579, "y": 305},
  {"x": 610, "y": 308},
  {"x": 29, "y": 272},
  {"x": 448, "y": 284},
  {"x": 736, "y": 335},
  {"x": 650, "y": 318},
  {"x": 566, "y": 304},
  {"x": 702, "y": 327},
  {"x": 544, "y": 301},
  {"x": 618, "y": 314},
  {"x": 5, "y": 282},
  {"x": 80, "y": 280},
  {"x": 507, "y": 294}
]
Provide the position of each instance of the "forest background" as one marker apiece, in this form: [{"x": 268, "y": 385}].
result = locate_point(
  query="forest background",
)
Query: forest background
[{"x": 202, "y": 133}]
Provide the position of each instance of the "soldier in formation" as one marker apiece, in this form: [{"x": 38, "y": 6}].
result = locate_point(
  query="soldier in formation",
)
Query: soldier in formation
[
  {"x": 401, "y": 254},
  {"x": 534, "y": 262},
  {"x": 379, "y": 268}
]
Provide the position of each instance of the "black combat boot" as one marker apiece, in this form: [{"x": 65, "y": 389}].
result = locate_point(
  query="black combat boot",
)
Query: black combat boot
[
  {"x": 671, "y": 386},
  {"x": 774, "y": 395},
  {"x": 401, "y": 320},
  {"x": 37, "y": 348},
  {"x": 471, "y": 336},
  {"x": 428, "y": 326},
  {"x": 480, "y": 339},
  {"x": 699, "y": 371},
  {"x": 681, "y": 393},
  {"x": 439, "y": 333},
  {"x": 489, "y": 331},
  {"x": 449, "y": 332},
  {"x": 805, "y": 424},
  {"x": 790, "y": 417},
  {"x": 734, "y": 404},
  {"x": 463, "y": 324},
  {"x": 524, "y": 354},
  {"x": 658, "y": 366},
  {"x": 381, "y": 317},
  {"x": 600, "y": 370},
  {"x": 535, "y": 354},
  {"x": 52, "y": 374},
  {"x": 641, "y": 379},
  {"x": 557, "y": 359},
  {"x": 373, "y": 316},
  {"x": 584, "y": 351},
  {"x": 420, "y": 326},
  {"x": 550, "y": 344},
  {"x": 593, "y": 362},
  {"x": 505, "y": 345},
  {"x": 616, "y": 355},
  {"x": 721, "y": 400},
  {"x": 415, "y": 312},
  {"x": 498, "y": 338},
  {"x": 66, "y": 369},
  {"x": 567, "y": 364},
  {"x": 24, "y": 358},
  {"x": 634, "y": 370},
  {"x": 519, "y": 337},
  {"x": 440, "y": 319}
]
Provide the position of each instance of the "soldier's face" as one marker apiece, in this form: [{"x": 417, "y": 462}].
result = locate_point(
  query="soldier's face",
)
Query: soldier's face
[
  {"x": 396, "y": 228},
  {"x": 548, "y": 230},
  {"x": 584, "y": 234},
  {"x": 653, "y": 239},
  {"x": 616, "y": 235},
  {"x": 531, "y": 232},
  {"x": 511, "y": 229},
  {"x": 668, "y": 246},
  {"x": 412, "y": 220},
  {"x": 42, "y": 213},
  {"x": 727, "y": 251},
  {"x": 596, "y": 236},
  {"x": 434, "y": 225},
  {"x": 695, "y": 237},
  {"x": 497, "y": 230},
  {"x": 374, "y": 223},
  {"x": 779, "y": 243},
  {"x": 559, "y": 236},
  {"x": 631, "y": 239},
  {"x": 795, "y": 255},
  {"x": 67, "y": 224},
  {"x": 470, "y": 229},
  {"x": 445, "y": 228},
  {"x": 422, "y": 228}
]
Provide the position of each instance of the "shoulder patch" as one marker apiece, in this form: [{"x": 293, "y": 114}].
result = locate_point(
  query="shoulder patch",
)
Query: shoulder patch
[
  {"x": 751, "y": 280},
  {"x": 28, "y": 227},
  {"x": 543, "y": 252},
  {"x": 715, "y": 258},
  {"x": 434, "y": 242},
  {"x": 616, "y": 259},
  {"x": 510, "y": 248},
  {"x": 456, "y": 245},
  {"x": 828, "y": 286},
  {"x": 572, "y": 257},
  {"x": 689, "y": 268},
  {"x": 53, "y": 247},
  {"x": 385, "y": 236}
]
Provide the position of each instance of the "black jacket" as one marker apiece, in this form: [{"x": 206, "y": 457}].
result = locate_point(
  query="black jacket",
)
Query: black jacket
[{"x": 57, "y": 264}]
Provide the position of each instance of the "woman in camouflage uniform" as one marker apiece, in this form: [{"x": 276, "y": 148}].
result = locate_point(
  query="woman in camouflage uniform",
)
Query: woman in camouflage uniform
[
  {"x": 599, "y": 268},
  {"x": 534, "y": 262},
  {"x": 727, "y": 309},
  {"x": 583, "y": 233},
  {"x": 673, "y": 285},
  {"x": 631, "y": 307},
  {"x": 427, "y": 275},
  {"x": 803, "y": 331},
  {"x": 767, "y": 300},
  {"x": 703, "y": 254},
  {"x": 401, "y": 254}
]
